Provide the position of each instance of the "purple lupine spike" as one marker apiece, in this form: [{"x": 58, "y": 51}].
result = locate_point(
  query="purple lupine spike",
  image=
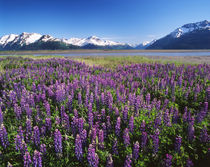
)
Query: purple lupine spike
[
  {"x": 104, "y": 129},
  {"x": 117, "y": 127},
  {"x": 75, "y": 113},
  {"x": 80, "y": 125},
  {"x": 90, "y": 119},
  {"x": 135, "y": 154},
  {"x": 191, "y": 132},
  {"x": 128, "y": 161},
  {"x": 157, "y": 122},
  {"x": 115, "y": 147},
  {"x": 43, "y": 130},
  {"x": 103, "y": 114},
  {"x": 109, "y": 161},
  {"x": 79, "y": 98},
  {"x": 101, "y": 139},
  {"x": 117, "y": 112},
  {"x": 126, "y": 137},
  {"x": 148, "y": 98},
  {"x": 125, "y": 113},
  {"x": 83, "y": 136},
  {"x": 143, "y": 126},
  {"x": 36, "y": 136},
  {"x": 189, "y": 163},
  {"x": 28, "y": 130},
  {"x": 108, "y": 124},
  {"x": 78, "y": 148},
  {"x": 58, "y": 141},
  {"x": 48, "y": 124},
  {"x": 155, "y": 140},
  {"x": 57, "y": 120},
  {"x": 204, "y": 137},
  {"x": 131, "y": 124},
  {"x": 27, "y": 159},
  {"x": 20, "y": 132},
  {"x": 90, "y": 109},
  {"x": 91, "y": 98},
  {"x": 69, "y": 103},
  {"x": 1, "y": 116},
  {"x": 43, "y": 149},
  {"x": 92, "y": 157},
  {"x": 178, "y": 143},
  {"x": 62, "y": 111},
  {"x": 47, "y": 108},
  {"x": 3, "y": 136},
  {"x": 175, "y": 116},
  {"x": 168, "y": 160},
  {"x": 166, "y": 118},
  {"x": 18, "y": 143},
  {"x": 158, "y": 105},
  {"x": 66, "y": 121},
  {"x": 74, "y": 123},
  {"x": 143, "y": 140},
  {"x": 18, "y": 111},
  {"x": 37, "y": 159}
]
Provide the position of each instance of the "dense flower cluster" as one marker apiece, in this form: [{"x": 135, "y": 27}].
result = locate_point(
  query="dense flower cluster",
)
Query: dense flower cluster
[{"x": 59, "y": 112}]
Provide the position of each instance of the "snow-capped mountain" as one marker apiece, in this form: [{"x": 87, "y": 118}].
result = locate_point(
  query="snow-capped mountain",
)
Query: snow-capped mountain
[
  {"x": 145, "y": 44},
  {"x": 187, "y": 28},
  {"x": 34, "y": 40},
  {"x": 189, "y": 36}
]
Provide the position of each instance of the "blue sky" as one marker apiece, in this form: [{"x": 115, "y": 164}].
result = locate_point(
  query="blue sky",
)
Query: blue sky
[{"x": 132, "y": 21}]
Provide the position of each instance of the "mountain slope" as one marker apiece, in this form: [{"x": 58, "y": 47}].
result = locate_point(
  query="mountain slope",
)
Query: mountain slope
[{"x": 189, "y": 36}]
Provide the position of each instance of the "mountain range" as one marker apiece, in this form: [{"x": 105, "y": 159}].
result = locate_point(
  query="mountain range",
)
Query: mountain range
[{"x": 189, "y": 36}]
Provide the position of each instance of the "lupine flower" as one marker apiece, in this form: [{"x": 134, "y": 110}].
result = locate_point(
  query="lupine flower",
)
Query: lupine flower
[
  {"x": 128, "y": 161},
  {"x": 191, "y": 132},
  {"x": 66, "y": 121},
  {"x": 92, "y": 157},
  {"x": 167, "y": 118},
  {"x": 189, "y": 163},
  {"x": 58, "y": 141},
  {"x": 109, "y": 161},
  {"x": 1, "y": 116},
  {"x": 103, "y": 113},
  {"x": 28, "y": 130},
  {"x": 135, "y": 154},
  {"x": 47, "y": 108},
  {"x": 155, "y": 139},
  {"x": 131, "y": 125},
  {"x": 117, "y": 127},
  {"x": 74, "y": 125},
  {"x": 142, "y": 127},
  {"x": 80, "y": 125},
  {"x": 178, "y": 142},
  {"x": 114, "y": 147},
  {"x": 78, "y": 148},
  {"x": 37, "y": 159},
  {"x": 48, "y": 124},
  {"x": 126, "y": 137},
  {"x": 90, "y": 119},
  {"x": 83, "y": 136},
  {"x": 17, "y": 111},
  {"x": 125, "y": 114},
  {"x": 27, "y": 159},
  {"x": 43, "y": 149},
  {"x": 36, "y": 136},
  {"x": 108, "y": 124},
  {"x": 3, "y": 136},
  {"x": 168, "y": 160},
  {"x": 79, "y": 98},
  {"x": 101, "y": 139},
  {"x": 204, "y": 137},
  {"x": 143, "y": 140},
  {"x": 148, "y": 98}
]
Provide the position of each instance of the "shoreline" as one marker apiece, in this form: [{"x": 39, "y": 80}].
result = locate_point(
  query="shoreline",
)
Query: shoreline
[{"x": 26, "y": 52}]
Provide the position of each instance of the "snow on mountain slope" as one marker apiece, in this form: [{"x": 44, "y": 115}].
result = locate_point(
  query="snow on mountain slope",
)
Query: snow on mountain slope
[
  {"x": 26, "y": 38},
  {"x": 4, "y": 40},
  {"x": 91, "y": 40},
  {"x": 190, "y": 27}
]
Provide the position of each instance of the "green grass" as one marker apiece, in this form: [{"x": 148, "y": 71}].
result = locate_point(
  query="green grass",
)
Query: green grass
[{"x": 111, "y": 62}]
